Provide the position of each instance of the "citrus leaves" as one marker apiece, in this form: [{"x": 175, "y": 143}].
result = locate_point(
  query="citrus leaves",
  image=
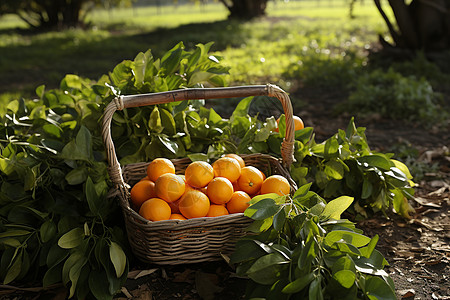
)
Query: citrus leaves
[
  {"x": 55, "y": 212},
  {"x": 345, "y": 165},
  {"x": 303, "y": 250}
]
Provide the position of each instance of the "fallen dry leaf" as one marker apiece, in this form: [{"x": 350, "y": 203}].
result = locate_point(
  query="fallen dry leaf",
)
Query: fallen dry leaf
[
  {"x": 206, "y": 285},
  {"x": 407, "y": 293},
  {"x": 426, "y": 202},
  {"x": 135, "y": 274},
  {"x": 186, "y": 276}
]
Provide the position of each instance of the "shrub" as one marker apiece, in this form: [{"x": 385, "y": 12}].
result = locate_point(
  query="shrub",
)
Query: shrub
[{"x": 395, "y": 96}]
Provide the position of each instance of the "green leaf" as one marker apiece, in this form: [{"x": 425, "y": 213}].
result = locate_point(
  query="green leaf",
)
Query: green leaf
[
  {"x": 14, "y": 267},
  {"x": 47, "y": 231},
  {"x": 367, "y": 189},
  {"x": 334, "y": 169},
  {"x": 336, "y": 207},
  {"x": 267, "y": 268},
  {"x": 302, "y": 191},
  {"x": 77, "y": 176},
  {"x": 279, "y": 219},
  {"x": 375, "y": 160},
  {"x": 331, "y": 148},
  {"x": 99, "y": 285},
  {"x": 91, "y": 196},
  {"x": 377, "y": 289},
  {"x": 167, "y": 122},
  {"x": 298, "y": 284},
  {"x": 346, "y": 278},
  {"x": 241, "y": 109},
  {"x": 353, "y": 238},
  {"x": 402, "y": 167},
  {"x": 80, "y": 148},
  {"x": 246, "y": 250},
  {"x": 171, "y": 59},
  {"x": 368, "y": 250},
  {"x": 13, "y": 232},
  {"x": 154, "y": 122},
  {"x": 343, "y": 263},
  {"x": 74, "y": 275},
  {"x": 71, "y": 239},
  {"x": 118, "y": 258},
  {"x": 262, "y": 209},
  {"x": 315, "y": 289}
]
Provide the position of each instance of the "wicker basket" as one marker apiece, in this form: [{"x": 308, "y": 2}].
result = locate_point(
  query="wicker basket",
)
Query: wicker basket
[{"x": 175, "y": 242}]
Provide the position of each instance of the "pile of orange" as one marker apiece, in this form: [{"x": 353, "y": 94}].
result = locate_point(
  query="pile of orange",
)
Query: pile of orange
[{"x": 205, "y": 190}]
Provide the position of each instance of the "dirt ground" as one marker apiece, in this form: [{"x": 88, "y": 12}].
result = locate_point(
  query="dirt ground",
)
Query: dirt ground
[{"x": 417, "y": 250}]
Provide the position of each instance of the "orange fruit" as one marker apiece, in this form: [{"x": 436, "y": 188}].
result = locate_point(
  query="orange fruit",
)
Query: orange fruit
[
  {"x": 262, "y": 174},
  {"x": 176, "y": 217},
  {"x": 199, "y": 173},
  {"x": 170, "y": 187},
  {"x": 194, "y": 204},
  {"x": 236, "y": 157},
  {"x": 250, "y": 180},
  {"x": 145, "y": 178},
  {"x": 236, "y": 186},
  {"x": 159, "y": 166},
  {"x": 216, "y": 210},
  {"x": 155, "y": 209},
  {"x": 220, "y": 190},
  {"x": 227, "y": 167},
  {"x": 275, "y": 184},
  {"x": 238, "y": 202},
  {"x": 174, "y": 207},
  {"x": 298, "y": 123},
  {"x": 142, "y": 191}
]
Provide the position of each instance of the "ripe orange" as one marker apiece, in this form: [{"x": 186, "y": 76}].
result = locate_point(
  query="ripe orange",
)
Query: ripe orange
[
  {"x": 199, "y": 173},
  {"x": 236, "y": 157},
  {"x": 298, "y": 123},
  {"x": 174, "y": 207},
  {"x": 275, "y": 184},
  {"x": 250, "y": 180},
  {"x": 236, "y": 186},
  {"x": 263, "y": 175},
  {"x": 155, "y": 209},
  {"x": 145, "y": 178},
  {"x": 176, "y": 217},
  {"x": 216, "y": 210},
  {"x": 194, "y": 204},
  {"x": 238, "y": 202},
  {"x": 170, "y": 187},
  {"x": 159, "y": 166},
  {"x": 142, "y": 191},
  {"x": 227, "y": 167},
  {"x": 220, "y": 190}
]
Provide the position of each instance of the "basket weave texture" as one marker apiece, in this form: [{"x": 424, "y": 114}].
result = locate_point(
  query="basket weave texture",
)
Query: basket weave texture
[{"x": 174, "y": 242}]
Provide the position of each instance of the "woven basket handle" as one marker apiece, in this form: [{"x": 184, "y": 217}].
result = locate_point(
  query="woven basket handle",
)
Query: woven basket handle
[{"x": 121, "y": 102}]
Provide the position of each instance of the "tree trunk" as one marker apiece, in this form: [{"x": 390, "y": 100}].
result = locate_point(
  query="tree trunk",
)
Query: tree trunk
[
  {"x": 245, "y": 9},
  {"x": 422, "y": 24}
]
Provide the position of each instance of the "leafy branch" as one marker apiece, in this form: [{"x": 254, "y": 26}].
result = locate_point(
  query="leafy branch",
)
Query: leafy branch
[{"x": 302, "y": 249}]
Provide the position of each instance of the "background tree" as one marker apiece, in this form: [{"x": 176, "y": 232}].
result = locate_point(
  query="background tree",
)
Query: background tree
[
  {"x": 421, "y": 25},
  {"x": 245, "y": 9},
  {"x": 51, "y": 14}
]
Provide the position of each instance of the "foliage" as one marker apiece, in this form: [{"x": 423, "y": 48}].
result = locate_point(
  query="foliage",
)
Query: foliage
[
  {"x": 302, "y": 249},
  {"x": 395, "y": 96},
  {"x": 56, "y": 221},
  {"x": 50, "y": 14}
]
